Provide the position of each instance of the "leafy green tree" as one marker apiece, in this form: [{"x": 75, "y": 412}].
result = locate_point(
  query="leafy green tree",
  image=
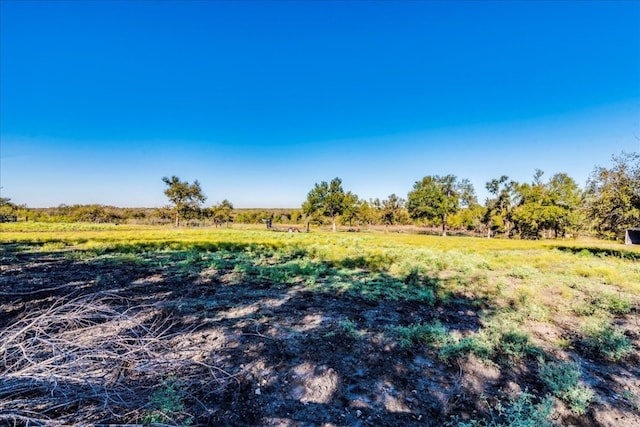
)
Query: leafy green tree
[
  {"x": 367, "y": 212},
  {"x": 7, "y": 209},
  {"x": 222, "y": 213},
  {"x": 566, "y": 197},
  {"x": 351, "y": 210},
  {"x": 612, "y": 197},
  {"x": 470, "y": 218},
  {"x": 436, "y": 197},
  {"x": 391, "y": 209},
  {"x": 327, "y": 200},
  {"x": 499, "y": 207},
  {"x": 550, "y": 206},
  {"x": 185, "y": 198}
]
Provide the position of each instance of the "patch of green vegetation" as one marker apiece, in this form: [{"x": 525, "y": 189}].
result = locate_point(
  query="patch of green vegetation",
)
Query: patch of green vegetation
[
  {"x": 563, "y": 380},
  {"x": 166, "y": 405},
  {"x": 608, "y": 302},
  {"x": 523, "y": 272},
  {"x": 478, "y": 345},
  {"x": 631, "y": 399},
  {"x": 602, "y": 252},
  {"x": 514, "y": 345},
  {"x": 606, "y": 341},
  {"x": 506, "y": 347},
  {"x": 349, "y": 328},
  {"x": 434, "y": 335},
  {"x": 519, "y": 412}
]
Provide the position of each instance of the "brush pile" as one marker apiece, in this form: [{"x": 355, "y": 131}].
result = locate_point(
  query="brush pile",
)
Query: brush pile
[{"x": 84, "y": 359}]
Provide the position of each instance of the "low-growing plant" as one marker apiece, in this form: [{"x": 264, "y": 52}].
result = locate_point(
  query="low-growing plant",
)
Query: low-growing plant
[
  {"x": 476, "y": 344},
  {"x": 521, "y": 411},
  {"x": 631, "y": 399},
  {"x": 166, "y": 404},
  {"x": 523, "y": 272},
  {"x": 349, "y": 328},
  {"x": 514, "y": 345},
  {"x": 563, "y": 380},
  {"x": 606, "y": 341},
  {"x": 607, "y": 301},
  {"x": 614, "y": 303},
  {"x": 430, "y": 334}
]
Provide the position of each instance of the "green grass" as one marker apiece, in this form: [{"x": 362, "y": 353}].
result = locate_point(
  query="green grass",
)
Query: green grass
[
  {"x": 536, "y": 279},
  {"x": 434, "y": 335},
  {"x": 508, "y": 284}
]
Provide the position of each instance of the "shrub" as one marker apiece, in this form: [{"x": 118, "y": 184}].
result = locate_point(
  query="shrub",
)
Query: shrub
[
  {"x": 562, "y": 379},
  {"x": 412, "y": 335},
  {"x": 606, "y": 341},
  {"x": 477, "y": 345},
  {"x": 521, "y": 412},
  {"x": 515, "y": 345},
  {"x": 606, "y": 301},
  {"x": 349, "y": 328}
]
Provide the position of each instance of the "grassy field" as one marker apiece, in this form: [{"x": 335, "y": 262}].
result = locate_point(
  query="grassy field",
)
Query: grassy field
[{"x": 103, "y": 324}]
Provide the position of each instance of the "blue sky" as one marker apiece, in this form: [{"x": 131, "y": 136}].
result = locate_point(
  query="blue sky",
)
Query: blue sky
[{"x": 260, "y": 100}]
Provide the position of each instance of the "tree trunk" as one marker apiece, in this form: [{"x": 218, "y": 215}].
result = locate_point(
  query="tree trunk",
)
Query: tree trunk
[
  {"x": 334, "y": 224},
  {"x": 444, "y": 225},
  {"x": 177, "y": 219}
]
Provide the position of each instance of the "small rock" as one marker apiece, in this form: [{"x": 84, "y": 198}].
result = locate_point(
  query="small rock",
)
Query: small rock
[
  {"x": 358, "y": 413},
  {"x": 258, "y": 392}
]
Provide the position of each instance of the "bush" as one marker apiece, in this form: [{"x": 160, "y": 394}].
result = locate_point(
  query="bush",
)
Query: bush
[
  {"x": 606, "y": 341},
  {"x": 412, "y": 335},
  {"x": 562, "y": 379},
  {"x": 515, "y": 345},
  {"x": 521, "y": 412},
  {"x": 477, "y": 345}
]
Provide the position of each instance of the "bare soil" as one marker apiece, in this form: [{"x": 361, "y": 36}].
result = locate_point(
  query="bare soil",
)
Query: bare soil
[{"x": 250, "y": 353}]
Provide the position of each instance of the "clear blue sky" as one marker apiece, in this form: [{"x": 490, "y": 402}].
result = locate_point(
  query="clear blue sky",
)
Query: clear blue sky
[{"x": 260, "y": 100}]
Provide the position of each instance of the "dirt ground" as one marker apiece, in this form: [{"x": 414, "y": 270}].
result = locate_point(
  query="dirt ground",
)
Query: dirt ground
[{"x": 249, "y": 353}]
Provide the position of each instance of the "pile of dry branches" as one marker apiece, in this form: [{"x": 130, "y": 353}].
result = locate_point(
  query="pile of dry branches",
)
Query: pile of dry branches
[{"x": 82, "y": 360}]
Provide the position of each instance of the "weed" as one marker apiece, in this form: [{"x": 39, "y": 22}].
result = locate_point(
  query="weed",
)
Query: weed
[
  {"x": 608, "y": 302},
  {"x": 408, "y": 336},
  {"x": 514, "y": 345},
  {"x": 631, "y": 399},
  {"x": 606, "y": 341},
  {"x": 349, "y": 328},
  {"x": 523, "y": 272},
  {"x": 614, "y": 303},
  {"x": 520, "y": 412},
  {"x": 477, "y": 345},
  {"x": 52, "y": 246},
  {"x": 166, "y": 404},
  {"x": 508, "y": 347},
  {"x": 562, "y": 379}
]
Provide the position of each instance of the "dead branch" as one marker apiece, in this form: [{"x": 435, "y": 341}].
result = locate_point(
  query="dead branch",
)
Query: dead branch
[{"x": 85, "y": 354}]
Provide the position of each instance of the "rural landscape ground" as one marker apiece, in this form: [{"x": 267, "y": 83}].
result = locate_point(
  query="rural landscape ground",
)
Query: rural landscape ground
[{"x": 103, "y": 324}]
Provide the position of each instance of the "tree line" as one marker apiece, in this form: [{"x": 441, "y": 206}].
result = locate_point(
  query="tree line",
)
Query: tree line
[
  {"x": 542, "y": 208},
  {"x": 606, "y": 207}
]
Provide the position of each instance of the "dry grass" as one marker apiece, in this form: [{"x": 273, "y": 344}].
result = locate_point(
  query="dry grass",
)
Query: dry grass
[{"x": 83, "y": 353}]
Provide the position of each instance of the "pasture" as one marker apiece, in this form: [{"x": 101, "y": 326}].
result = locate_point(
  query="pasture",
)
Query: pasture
[{"x": 147, "y": 325}]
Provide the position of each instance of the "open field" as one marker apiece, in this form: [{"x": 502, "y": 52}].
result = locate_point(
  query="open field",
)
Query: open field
[{"x": 125, "y": 324}]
